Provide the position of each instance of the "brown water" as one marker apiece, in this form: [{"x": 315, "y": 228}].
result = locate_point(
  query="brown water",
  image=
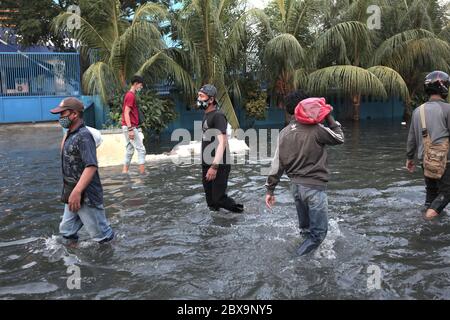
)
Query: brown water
[{"x": 170, "y": 246}]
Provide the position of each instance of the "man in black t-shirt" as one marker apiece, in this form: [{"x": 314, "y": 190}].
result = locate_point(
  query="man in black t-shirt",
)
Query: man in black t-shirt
[{"x": 215, "y": 154}]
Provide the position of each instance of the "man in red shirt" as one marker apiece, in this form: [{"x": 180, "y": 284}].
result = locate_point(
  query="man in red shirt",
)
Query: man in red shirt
[{"x": 130, "y": 126}]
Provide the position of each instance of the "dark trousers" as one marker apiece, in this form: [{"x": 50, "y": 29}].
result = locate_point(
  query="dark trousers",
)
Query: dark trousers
[
  {"x": 438, "y": 191},
  {"x": 216, "y": 196}
]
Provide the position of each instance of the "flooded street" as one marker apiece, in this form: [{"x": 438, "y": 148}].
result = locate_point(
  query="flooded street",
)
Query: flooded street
[{"x": 170, "y": 246}]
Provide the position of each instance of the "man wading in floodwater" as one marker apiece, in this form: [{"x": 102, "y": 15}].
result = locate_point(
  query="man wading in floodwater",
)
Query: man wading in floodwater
[
  {"x": 435, "y": 116},
  {"x": 82, "y": 190},
  {"x": 215, "y": 153},
  {"x": 130, "y": 126},
  {"x": 302, "y": 155}
]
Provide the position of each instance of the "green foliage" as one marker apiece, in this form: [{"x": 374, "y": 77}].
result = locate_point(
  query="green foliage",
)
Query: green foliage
[
  {"x": 290, "y": 44},
  {"x": 158, "y": 113},
  {"x": 32, "y": 20},
  {"x": 213, "y": 36},
  {"x": 115, "y": 110},
  {"x": 256, "y": 105},
  {"x": 253, "y": 99},
  {"x": 123, "y": 48}
]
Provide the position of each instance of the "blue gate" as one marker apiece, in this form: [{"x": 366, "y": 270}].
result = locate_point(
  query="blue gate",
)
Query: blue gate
[{"x": 33, "y": 83}]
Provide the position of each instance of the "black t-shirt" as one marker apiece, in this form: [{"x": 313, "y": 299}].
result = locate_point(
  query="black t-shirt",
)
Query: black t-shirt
[{"x": 214, "y": 123}]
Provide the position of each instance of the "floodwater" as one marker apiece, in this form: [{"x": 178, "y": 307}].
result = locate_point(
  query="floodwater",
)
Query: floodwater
[{"x": 169, "y": 246}]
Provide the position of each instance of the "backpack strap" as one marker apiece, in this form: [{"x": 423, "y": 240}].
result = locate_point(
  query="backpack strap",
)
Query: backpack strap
[{"x": 422, "y": 119}]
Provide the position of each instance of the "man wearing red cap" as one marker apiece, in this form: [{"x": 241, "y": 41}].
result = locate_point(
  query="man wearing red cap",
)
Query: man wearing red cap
[
  {"x": 302, "y": 155},
  {"x": 82, "y": 190}
]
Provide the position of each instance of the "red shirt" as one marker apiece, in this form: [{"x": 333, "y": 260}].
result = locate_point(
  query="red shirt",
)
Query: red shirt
[{"x": 130, "y": 101}]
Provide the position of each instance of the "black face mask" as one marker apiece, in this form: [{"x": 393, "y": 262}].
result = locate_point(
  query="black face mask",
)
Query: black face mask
[{"x": 202, "y": 104}]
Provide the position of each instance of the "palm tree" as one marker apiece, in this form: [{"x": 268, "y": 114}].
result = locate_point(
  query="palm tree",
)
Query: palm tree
[
  {"x": 338, "y": 48},
  {"x": 123, "y": 48},
  {"x": 355, "y": 81},
  {"x": 420, "y": 45},
  {"x": 399, "y": 61},
  {"x": 340, "y": 55},
  {"x": 282, "y": 36},
  {"x": 212, "y": 42},
  {"x": 346, "y": 46}
]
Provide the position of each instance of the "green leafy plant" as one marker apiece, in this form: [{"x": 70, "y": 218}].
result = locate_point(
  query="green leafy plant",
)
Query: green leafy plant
[
  {"x": 115, "y": 110},
  {"x": 253, "y": 99},
  {"x": 158, "y": 112},
  {"x": 256, "y": 105}
]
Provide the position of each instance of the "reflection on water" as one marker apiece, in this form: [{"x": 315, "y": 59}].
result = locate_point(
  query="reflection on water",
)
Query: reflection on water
[{"x": 170, "y": 246}]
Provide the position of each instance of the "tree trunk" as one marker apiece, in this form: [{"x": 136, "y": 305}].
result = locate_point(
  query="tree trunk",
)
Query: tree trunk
[
  {"x": 408, "y": 113},
  {"x": 287, "y": 118},
  {"x": 356, "y": 101},
  {"x": 408, "y": 109},
  {"x": 122, "y": 79}
]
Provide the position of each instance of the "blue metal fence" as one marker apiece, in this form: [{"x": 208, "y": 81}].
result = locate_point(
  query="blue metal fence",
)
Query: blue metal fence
[
  {"x": 33, "y": 83},
  {"x": 39, "y": 74}
]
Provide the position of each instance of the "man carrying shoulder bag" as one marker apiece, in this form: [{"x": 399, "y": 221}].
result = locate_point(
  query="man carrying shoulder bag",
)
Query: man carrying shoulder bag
[{"x": 428, "y": 141}]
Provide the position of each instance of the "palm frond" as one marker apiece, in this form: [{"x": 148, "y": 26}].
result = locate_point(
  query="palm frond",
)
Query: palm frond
[
  {"x": 160, "y": 65},
  {"x": 225, "y": 104},
  {"x": 416, "y": 17},
  {"x": 86, "y": 34},
  {"x": 393, "y": 82},
  {"x": 357, "y": 10},
  {"x": 284, "y": 50},
  {"x": 416, "y": 55},
  {"x": 260, "y": 16},
  {"x": 134, "y": 46},
  {"x": 282, "y": 9},
  {"x": 342, "y": 38},
  {"x": 300, "y": 78},
  {"x": 151, "y": 11},
  {"x": 100, "y": 79},
  {"x": 301, "y": 13},
  {"x": 350, "y": 80},
  {"x": 445, "y": 34},
  {"x": 390, "y": 45},
  {"x": 234, "y": 42}
]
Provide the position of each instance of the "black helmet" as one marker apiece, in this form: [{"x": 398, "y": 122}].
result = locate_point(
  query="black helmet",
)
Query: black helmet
[{"x": 437, "y": 82}]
